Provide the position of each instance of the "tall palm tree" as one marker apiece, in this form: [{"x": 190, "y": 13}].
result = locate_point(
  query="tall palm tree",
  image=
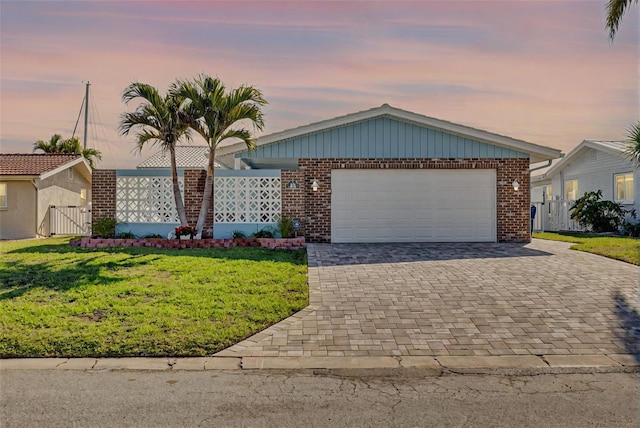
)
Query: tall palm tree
[
  {"x": 57, "y": 144},
  {"x": 157, "y": 121},
  {"x": 615, "y": 9},
  {"x": 215, "y": 113}
]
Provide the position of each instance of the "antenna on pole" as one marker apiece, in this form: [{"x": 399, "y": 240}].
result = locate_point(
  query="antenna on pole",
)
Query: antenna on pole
[{"x": 86, "y": 112}]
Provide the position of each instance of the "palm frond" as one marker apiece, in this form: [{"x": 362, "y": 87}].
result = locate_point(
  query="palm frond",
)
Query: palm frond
[
  {"x": 633, "y": 142},
  {"x": 614, "y": 10}
]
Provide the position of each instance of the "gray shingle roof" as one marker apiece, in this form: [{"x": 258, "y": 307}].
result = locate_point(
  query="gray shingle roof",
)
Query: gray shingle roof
[{"x": 187, "y": 157}]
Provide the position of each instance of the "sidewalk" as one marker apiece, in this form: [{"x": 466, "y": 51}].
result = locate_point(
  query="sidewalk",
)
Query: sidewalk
[{"x": 502, "y": 365}]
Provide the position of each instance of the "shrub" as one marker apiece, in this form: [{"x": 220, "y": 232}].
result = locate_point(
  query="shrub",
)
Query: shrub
[
  {"x": 126, "y": 235},
  {"x": 285, "y": 227},
  {"x": 105, "y": 227},
  {"x": 153, "y": 235},
  {"x": 238, "y": 234},
  {"x": 599, "y": 216},
  {"x": 264, "y": 233}
]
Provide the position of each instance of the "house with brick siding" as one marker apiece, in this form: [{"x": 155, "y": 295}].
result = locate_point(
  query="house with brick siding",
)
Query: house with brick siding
[
  {"x": 31, "y": 183},
  {"x": 379, "y": 175},
  {"x": 390, "y": 175}
]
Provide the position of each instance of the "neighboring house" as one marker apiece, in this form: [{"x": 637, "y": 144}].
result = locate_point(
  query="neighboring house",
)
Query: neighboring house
[
  {"x": 591, "y": 166},
  {"x": 390, "y": 175},
  {"x": 187, "y": 157},
  {"x": 31, "y": 183}
]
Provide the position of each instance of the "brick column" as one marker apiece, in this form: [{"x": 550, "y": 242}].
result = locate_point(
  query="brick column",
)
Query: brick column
[
  {"x": 103, "y": 194},
  {"x": 193, "y": 192},
  {"x": 513, "y": 211},
  {"x": 293, "y": 200}
]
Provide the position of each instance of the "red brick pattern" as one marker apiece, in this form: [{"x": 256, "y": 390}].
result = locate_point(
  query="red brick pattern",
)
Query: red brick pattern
[
  {"x": 193, "y": 189},
  {"x": 293, "y": 200},
  {"x": 33, "y": 163},
  {"x": 270, "y": 243},
  {"x": 512, "y": 207},
  {"x": 103, "y": 194}
]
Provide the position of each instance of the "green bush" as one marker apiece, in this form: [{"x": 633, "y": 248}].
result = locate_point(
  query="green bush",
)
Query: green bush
[
  {"x": 285, "y": 227},
  {"x": 238, "y": 234},
  {"x": 105, "y": 227},
  {"x": 599, "y": 216},
  {"x": 264, "y": 233},
  {"x": 126, "y": 235}
]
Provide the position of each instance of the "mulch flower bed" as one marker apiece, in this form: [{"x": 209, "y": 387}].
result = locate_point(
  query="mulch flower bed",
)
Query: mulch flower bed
[{"x": 271, "y": 243}]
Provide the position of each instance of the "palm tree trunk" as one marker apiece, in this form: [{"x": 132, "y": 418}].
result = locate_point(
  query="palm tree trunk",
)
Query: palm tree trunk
[
  {"x": 182, "y": 215},
  {"x": 207, "y": 196}
]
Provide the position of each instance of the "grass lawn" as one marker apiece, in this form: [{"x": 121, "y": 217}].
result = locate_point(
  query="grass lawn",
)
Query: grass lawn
[
  {"x": 614, "y": 247},
  {"x": 59, "y": 301}
]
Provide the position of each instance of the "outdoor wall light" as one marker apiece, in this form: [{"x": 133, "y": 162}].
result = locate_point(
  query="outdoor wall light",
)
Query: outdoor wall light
[
  {"x": 293, "y": 184},
  {"x": 515, "y": 185},
  {"x": 315, "y": 186}
]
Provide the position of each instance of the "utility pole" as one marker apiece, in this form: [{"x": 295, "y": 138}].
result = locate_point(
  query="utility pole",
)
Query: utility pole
[{"x": 86, "y": 112}]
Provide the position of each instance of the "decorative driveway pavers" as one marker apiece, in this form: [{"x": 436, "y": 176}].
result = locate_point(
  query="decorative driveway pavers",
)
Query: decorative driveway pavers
[{"x": 458, "y": 300}]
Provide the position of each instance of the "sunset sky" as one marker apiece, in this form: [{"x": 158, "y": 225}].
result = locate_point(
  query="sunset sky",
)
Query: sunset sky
[{"x": 544, "y": 72}]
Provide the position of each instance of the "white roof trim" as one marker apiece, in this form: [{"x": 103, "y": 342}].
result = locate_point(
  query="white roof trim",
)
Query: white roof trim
[
  {"x": 79, "y": 160},
  {"x": 537, "y": 152},
  {"x": 577, "y": 151}
]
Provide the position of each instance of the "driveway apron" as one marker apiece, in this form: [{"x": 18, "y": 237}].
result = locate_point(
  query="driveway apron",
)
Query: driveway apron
[{"x": 458, "y": 300}]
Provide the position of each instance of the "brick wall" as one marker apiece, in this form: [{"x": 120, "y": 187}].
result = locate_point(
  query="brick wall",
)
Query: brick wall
[
  {"x": 512, "y": 207},
  {"x": 103, "y": 194},
  {"x": 293, "y": 200},
  {"x": 193, "y": 190}
]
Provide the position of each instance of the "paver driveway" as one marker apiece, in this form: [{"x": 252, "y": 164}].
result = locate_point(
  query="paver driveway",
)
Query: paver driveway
[{"x": 458, "y": 299}]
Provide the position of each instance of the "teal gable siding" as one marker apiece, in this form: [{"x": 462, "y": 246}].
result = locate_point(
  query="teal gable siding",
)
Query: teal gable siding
[{"x": 381, "y": 138}]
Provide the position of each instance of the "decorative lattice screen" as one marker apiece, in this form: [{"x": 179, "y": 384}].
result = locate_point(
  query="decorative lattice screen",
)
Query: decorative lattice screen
[
  {"x": 247, "y": 199},
  {"x": 146, "y": 200}
]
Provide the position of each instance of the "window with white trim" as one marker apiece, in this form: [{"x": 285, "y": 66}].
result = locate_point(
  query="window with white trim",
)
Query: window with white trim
[
  {"x": 83, "y": 197},
  {"x": 623, "y": 187},
  {"x": 548, "y": 192},
  {"x": 3, "y": 195},
  {"x": 571, "y": 190}
]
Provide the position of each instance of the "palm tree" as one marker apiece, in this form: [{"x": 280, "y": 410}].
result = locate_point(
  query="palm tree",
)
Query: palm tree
[
  {"x": 633, "y": 141},
  {"x": 212, "y": 112},
  {"x": 157, "y": 121},
  {"x": 51, "y": 146},
  {"x": 57, "y": 144},
  {"x": 615, "y": 9}
]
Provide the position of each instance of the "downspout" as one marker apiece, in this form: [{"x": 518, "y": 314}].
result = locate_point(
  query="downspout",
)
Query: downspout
[
  {"x": 541, "y": 167},
  {"x": 33, "y": 182}
]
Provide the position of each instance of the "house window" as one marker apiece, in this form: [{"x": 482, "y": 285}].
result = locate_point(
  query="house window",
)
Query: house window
[
  {"x": 3, "y": 195},
  {"x": 70, "y": 174},
  {"x": 623, "y": 187},
  {"x": 571, "y": 190},
  {"x": 83, "y": 197},
  {"x": 548, "y": 193}
]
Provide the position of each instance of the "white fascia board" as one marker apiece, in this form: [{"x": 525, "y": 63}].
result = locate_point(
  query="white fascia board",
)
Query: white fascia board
[
  {"x": 18, "y": 177},
  {"x": 81, "y": 160},
  {"x": 579, "y": 150}
]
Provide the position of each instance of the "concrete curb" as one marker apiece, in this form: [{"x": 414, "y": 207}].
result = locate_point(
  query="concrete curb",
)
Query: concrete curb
[{"x": 349, "y": 366}]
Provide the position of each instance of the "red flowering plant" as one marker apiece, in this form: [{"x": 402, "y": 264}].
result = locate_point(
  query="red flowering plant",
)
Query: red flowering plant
[{"x": 185, "y": 231}]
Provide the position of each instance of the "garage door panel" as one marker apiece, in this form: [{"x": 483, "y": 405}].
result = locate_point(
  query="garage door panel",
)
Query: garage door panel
[{"x": 413, "y": 206}]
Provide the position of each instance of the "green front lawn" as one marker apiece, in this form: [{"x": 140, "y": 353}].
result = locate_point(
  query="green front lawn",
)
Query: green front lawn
[
  {"x": 615, "y": 247},
  {"x": 56, "y": 300}
]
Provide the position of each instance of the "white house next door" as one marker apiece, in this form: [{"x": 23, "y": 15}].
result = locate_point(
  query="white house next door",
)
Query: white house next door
[{"x": 391, "y": 205}]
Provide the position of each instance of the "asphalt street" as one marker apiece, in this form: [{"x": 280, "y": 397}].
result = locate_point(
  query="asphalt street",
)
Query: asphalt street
[{"x": 59, "y": 398}]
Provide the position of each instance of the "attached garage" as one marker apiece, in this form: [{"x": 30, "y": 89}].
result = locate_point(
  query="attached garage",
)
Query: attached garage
[
  {"x": 390, "y": 175},
  {"x": 413, "y": 206}
]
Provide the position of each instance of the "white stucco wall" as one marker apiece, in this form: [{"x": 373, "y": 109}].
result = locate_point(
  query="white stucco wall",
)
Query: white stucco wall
[
  {"x": 61, "y": 189},
  {"x": 18, "y": 220}
]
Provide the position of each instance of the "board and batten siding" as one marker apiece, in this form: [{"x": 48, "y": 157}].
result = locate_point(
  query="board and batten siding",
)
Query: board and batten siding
[
  {"x": 381, "y": 138},
  {"x": 595, "y": 170}
]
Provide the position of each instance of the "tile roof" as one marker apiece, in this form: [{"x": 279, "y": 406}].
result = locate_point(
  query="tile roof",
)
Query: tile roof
[
  {"x": 32, "y": 164},
  {"x": 187, "y": 157}
]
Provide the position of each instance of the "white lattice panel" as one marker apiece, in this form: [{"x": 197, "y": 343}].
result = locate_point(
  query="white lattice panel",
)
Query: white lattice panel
[
  {"x": 146, "y": 200},
  {"x": 247, "y": 199}
]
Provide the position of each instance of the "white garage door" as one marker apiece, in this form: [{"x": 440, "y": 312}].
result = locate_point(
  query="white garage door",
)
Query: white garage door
[{"x": 413, "y": 206}]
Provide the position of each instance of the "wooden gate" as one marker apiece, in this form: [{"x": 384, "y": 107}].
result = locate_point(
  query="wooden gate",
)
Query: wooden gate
[{"x": 74, "y": 221}]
